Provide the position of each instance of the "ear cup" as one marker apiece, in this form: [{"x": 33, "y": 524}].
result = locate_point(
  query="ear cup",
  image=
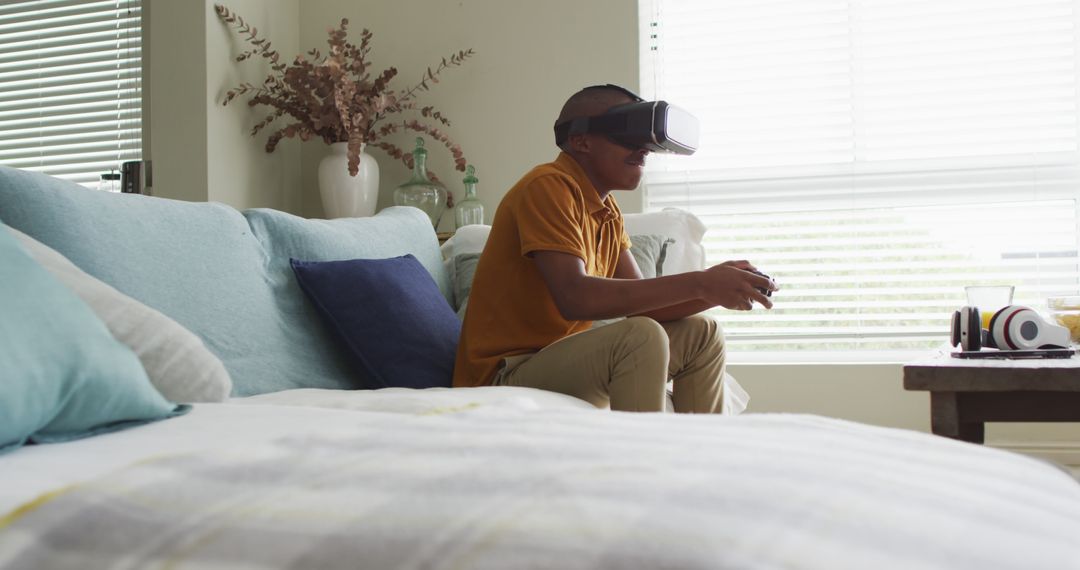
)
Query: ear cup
[
  {"x": 1024, "y": 329},
  {"x": 965, "y": 330},
  {"x": 999, "y": 326},
  {"x": 974, "y": 329},
  {"x": 970, "y": 331},
  {"x": 954, "y": 330}
]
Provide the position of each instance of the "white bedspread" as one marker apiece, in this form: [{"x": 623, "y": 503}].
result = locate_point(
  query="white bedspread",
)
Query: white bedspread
[{"x": 486, "y": 487}]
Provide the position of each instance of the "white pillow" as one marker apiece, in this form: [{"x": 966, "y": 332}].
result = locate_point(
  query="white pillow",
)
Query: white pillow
[
  {"x": 178, "y": 363},
  {"x": 467, "y": 239},
  {"x": 687, "y": 253}
]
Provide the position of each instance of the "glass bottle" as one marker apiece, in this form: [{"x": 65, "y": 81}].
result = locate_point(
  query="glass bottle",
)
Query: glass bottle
[
  {"x": 419, "y": 191},
  {"x": 109, "y": 182},
  {"x": 469, "y": 211}
]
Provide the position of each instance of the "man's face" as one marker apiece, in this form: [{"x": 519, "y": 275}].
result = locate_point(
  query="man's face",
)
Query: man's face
[{"x": 615, "y": 166}]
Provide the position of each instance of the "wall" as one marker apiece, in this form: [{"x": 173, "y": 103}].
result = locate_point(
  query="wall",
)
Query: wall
[
  {"x": 530, "y": 56},
  {"x": 874, "y": 394},
  {"x": 240, "y": 170},
  {"x": 176, "y": 109},
  {"x": 201, "y": 150}
]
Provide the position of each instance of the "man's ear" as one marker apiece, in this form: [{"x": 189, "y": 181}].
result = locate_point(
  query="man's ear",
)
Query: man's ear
[{"x": 579, "y": 143}]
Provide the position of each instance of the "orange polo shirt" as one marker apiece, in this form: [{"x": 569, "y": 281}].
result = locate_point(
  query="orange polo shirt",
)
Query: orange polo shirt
[{"x": 552, "y": 208}]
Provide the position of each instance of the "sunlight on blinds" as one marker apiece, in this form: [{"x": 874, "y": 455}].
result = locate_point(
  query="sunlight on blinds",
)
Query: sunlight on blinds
[
  {"x": 874, "y": 156},
  {"x": 70, "y": 88}
]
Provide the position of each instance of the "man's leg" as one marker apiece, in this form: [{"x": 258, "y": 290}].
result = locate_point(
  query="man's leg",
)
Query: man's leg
[
  {"x": 697, "y": 364},
  {"x": 624, "y": 364}
]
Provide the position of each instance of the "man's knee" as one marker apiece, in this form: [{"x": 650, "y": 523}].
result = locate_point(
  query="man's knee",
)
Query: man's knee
[
  {"x": 647, "y": 330},
  {"x": 706, "y": 328}
]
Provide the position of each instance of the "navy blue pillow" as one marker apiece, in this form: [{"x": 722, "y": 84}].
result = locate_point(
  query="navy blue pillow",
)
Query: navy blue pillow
[{"x": 397, "y": 326}]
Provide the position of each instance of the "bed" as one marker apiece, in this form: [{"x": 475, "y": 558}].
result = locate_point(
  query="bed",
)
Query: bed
[{"x": 481, "y": 478}]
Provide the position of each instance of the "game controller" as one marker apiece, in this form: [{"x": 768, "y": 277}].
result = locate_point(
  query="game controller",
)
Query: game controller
[{"x": 762, "y": 290}]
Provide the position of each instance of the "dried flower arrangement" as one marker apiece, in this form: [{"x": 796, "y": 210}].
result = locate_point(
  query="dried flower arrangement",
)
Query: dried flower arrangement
[{"x": 335, "y": 96}]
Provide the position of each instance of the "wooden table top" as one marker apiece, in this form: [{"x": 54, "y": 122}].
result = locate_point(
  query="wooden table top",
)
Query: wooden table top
[{"x": 944, "y": 373}]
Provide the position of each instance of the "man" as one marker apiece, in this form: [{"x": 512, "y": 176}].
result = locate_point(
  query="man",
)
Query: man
[{"x": 558, "y": 258}]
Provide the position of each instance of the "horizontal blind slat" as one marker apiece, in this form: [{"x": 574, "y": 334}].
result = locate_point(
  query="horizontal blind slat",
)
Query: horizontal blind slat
[{"x": 70, "y": 86}]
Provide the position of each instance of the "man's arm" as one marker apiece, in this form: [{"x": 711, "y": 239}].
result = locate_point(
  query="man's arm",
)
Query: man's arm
[
  {"x": 580, "y": 296},
  {"x": 629, "y": 269}
]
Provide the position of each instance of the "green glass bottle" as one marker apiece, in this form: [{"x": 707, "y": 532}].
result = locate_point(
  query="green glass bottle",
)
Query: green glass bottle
[
  {"x": 469, "y": 211},
  {"x": 419, "y": 191}
]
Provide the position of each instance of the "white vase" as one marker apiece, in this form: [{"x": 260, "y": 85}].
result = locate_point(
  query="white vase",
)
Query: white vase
[{"x": 345, "y": 196}]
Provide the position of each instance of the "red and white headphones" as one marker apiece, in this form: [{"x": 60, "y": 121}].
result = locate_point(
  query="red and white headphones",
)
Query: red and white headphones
[{"x": 1014, "y": 327}]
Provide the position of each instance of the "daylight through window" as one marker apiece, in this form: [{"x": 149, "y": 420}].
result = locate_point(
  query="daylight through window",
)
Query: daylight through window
[{"x": 875, "y": 156}]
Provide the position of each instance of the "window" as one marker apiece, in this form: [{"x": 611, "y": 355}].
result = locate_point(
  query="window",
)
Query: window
[
  {"x": 875, "y": 156},
  {"x": 70, "y": 88}
]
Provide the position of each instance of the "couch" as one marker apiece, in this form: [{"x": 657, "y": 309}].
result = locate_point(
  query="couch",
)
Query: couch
[{"x": 244, "y": 437}]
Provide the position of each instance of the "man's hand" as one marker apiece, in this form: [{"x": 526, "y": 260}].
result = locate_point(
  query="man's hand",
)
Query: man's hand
[{"x": 733, "y": 285}]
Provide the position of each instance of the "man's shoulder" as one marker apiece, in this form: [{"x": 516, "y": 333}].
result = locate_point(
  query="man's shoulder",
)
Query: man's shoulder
[
  {"x": 548, "y": 180},
  {"x": 549, "y": 172}
]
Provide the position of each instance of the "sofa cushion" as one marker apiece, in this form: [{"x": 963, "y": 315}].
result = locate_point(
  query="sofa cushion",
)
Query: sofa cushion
[
  {"x": 464, "y": 269},
  {"x": 203, "y": 266},
  {"x": 393, "y": 232},
  {"x": 396, "y": 323},
  {"x": 63, "y": 375},
  {"x": 177, "y": 362},
  {"x": 686, "y": 252},
  {"x": 196, "y": 262},
  {"x": 650, "y": 252}
]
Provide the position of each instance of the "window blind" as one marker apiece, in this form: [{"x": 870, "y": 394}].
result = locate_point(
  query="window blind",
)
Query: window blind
[
  {"x": 874, "y": 156},
  {"x": 70, "y": 87}
]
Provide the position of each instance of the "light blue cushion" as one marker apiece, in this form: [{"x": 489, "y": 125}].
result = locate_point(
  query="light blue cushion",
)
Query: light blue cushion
[
  {"x": 408, "y": 339},
  {"x": 196, "y": 262},
  {"x": 393, "y": 232},
  {"x": 203, "y": 265},
  {"x": 63, "y": 375}
]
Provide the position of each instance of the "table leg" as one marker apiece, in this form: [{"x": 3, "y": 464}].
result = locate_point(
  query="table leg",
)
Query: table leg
[{"x": 945, "y": 419}]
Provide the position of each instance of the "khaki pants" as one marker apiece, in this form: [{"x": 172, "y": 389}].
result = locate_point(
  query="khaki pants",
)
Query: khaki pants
[{"x": 627, "y": 365}]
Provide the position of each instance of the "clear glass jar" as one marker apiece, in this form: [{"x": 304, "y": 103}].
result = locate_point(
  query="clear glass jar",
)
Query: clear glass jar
[
  {"x": 110, "y": 182},
  {"x": 469, "y": 211},
  {"x": 419, "y": 191},
  {"x": 1066, "y": 312}
]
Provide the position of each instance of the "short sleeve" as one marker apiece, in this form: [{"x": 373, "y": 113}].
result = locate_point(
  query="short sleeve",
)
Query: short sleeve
[
  {"x": 550, "y": 217},
  {"x": 625, "y": 240}
]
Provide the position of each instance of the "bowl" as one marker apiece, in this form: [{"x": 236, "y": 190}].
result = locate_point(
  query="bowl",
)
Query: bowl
[{"x": 1066, "y": 312}]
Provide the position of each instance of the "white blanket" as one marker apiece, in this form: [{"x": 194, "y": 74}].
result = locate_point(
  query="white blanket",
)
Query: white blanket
[{"x": 495, "y": 488}]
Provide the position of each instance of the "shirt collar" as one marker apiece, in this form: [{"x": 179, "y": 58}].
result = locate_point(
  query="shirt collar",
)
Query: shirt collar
[{"x": 602, "y": 210}]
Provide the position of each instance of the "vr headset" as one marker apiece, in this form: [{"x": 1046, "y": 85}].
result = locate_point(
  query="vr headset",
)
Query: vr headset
[{"x": 653, "y": 125}]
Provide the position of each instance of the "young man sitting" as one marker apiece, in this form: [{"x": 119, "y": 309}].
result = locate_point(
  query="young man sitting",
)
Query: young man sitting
[{"x": 557, "y": 258}]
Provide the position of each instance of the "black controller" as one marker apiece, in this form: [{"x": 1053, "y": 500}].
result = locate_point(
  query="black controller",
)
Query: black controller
[{"x": 763, "y": 291}]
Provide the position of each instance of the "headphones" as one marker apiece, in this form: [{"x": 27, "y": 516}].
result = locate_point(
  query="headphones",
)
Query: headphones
[{"x": 1014, "y": 327}]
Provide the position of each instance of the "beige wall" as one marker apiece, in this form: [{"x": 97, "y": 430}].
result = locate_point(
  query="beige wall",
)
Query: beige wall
[
  {"x": 201, "y": 150},
  {"x": 175, "y": 55},
  {"x": 240, "y": 170},
  {"x": 874, "y": 394},
  {"x": 530, "y": 56}
]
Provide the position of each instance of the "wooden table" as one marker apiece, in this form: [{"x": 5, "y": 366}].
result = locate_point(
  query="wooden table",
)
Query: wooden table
[{"x": 966, "y": 393}]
